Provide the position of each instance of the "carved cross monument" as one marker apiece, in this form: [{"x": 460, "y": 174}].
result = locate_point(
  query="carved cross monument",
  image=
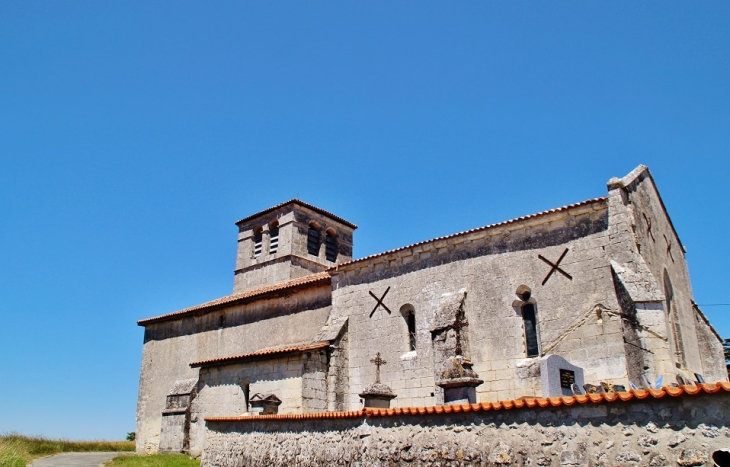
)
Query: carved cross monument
[
  {"x": 377, "y": 361},
  {"x": 459, "y": 324}
]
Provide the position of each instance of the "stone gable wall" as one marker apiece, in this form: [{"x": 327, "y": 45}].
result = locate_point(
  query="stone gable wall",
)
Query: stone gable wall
[
  {"x": 651, "y": 432},
  {"x": 652, "y": 232}
]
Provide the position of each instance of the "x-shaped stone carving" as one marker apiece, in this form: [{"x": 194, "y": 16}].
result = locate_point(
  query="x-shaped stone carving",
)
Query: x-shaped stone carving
[
  {"x": 380, "y": 301},
  {"x": 648, "y": 227},
  {"x": 669, "y": 247},
  {"x": 555, "y": 267}
]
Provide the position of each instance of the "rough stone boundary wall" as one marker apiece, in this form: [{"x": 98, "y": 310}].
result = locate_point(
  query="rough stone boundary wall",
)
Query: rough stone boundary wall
[{"x": 655, "y": 432}]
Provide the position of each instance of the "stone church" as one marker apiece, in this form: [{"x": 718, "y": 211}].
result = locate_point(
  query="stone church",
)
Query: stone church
[{"x": 475, "y": 316}]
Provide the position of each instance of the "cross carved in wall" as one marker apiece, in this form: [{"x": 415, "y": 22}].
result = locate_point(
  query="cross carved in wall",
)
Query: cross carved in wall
[
  {"x": 379, "y": 301},
  {"x": 555, "y": 267},
  {"x": 460, "y": 323},
  {"x": 648, "y": 227},
  {"x": 669, "y": 247},
  {"x": 377, "y": 361}
]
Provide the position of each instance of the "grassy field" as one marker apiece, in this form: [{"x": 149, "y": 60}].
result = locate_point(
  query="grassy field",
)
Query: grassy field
[
  {"x": 157, "y": 460},
  {"x": 17, "y": 451}
]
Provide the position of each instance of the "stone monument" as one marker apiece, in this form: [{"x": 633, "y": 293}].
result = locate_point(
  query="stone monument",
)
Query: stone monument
[
  {"x": 264, "y": 404},
  {"x": 557, "y": 376},
  {"x": 377, "y": 395},
  {"x": 458, "y": 380}
]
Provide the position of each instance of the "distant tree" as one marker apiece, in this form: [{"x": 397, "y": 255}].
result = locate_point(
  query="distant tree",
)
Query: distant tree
[
  {"x": 726, "y": 346},
  {"x": 131, "y": 436}
]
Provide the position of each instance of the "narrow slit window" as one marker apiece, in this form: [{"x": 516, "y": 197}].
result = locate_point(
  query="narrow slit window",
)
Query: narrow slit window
[
  {"x": 330, "y": 247},
  {"x": 273, "y": 239},
  {"x": 529, "y": 318},
  {"x": 313, "y": 241},
  {"x": 246, "y": 396},
  {"x": 257, "y": 242},
  {"x": 411, "y": 320}
]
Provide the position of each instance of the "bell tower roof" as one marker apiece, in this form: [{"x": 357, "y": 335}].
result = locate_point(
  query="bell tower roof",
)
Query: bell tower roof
[{"x": 300, "y": 203}]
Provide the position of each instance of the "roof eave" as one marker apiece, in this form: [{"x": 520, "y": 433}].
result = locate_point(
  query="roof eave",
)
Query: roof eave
[{"x": 325, "y": 279}]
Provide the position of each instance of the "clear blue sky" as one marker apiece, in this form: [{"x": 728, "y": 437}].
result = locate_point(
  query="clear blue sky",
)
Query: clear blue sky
[{"x": 133, "y": 135}]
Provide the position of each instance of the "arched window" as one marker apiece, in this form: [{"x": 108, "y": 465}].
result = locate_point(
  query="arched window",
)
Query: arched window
[
  {"x": 330, "y": 246},
  {"x": 526, "y": 305},
  {"x": 313, "y": 239},
  {"x": 409, "y": 315},
  {"x": 273, "y": 237},
  {"x": 530, "y": 321},
  {"x": 257, "y": 242}
]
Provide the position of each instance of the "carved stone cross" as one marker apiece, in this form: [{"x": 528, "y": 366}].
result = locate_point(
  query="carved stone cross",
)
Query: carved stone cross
[
  {"x": 377, "y": 361},
  {"x": 459, "y": 324},
  {"x": 648, "y": 227}
]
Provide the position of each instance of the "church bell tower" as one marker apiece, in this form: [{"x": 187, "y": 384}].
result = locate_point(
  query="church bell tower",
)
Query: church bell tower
[{"x": 288, "y": 241}]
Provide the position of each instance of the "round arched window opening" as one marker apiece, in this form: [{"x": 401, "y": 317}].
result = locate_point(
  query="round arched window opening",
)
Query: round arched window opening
[
  {"x": 313, "y": 239},
  {"x": 257, "y": 241},
  {"x": 273, "y": 236},
  {"x": 529, "y": 318},
  {"x": 330, "y": 245},
  {"x": 409, "y": 315}
]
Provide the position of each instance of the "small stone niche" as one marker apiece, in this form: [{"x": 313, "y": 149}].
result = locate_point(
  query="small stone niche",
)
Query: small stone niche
[{"x": 264, "y": 404}]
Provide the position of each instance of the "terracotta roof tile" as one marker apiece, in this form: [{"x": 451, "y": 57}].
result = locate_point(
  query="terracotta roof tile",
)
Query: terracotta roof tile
[
  {"x": 262, "y": 353},
  {"x": 243, "y": 297},
  {"x": 478, "y": 229},
  {"x": 527, "y": 402},
  {"x": 301, "y": 203}
]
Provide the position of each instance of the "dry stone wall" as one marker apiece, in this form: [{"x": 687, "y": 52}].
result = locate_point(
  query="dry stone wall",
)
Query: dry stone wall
[{"x": 652, "y": 432}]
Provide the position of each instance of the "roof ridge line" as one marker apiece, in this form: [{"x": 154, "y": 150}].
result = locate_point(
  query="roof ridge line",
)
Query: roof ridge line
[
  {"x": 268, "y": 352},
  {"x": 301, "y": 203},
  {"x": 476, "y": 229}
]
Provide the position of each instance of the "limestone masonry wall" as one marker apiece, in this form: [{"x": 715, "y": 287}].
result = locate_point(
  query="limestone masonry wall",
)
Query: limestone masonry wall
[
  {"x": 170, "y": 347},
  {"x": 652, "y": 432},
  {"x": 489, "y": 267}
]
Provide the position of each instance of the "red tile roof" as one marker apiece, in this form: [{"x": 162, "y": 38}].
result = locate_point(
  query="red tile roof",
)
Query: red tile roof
[
  {"x": 527, "y": 402},
  {"x": 478, "y": 229},
  {"x": 259, "y": 354},
  {"x": 244, "y": 297},
  {"x": 301, "y": 203}
]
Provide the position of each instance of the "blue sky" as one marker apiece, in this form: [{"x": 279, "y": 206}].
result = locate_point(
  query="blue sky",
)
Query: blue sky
[{"x": 133, "y": 135}]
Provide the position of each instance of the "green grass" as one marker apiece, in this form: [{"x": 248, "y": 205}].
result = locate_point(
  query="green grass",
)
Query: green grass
[
  {"x": 17, "y": 450},
  {"x": 155, "y": 460}
]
